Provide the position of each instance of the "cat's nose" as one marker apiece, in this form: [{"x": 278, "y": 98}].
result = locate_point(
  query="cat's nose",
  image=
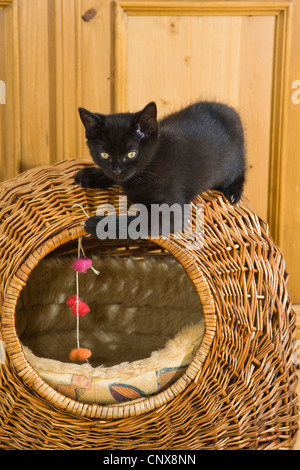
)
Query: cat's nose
[{"x": 117, "y": 171}]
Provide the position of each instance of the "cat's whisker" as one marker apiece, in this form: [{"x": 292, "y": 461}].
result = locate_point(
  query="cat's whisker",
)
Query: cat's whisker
[{"x": 144, "y": 175}]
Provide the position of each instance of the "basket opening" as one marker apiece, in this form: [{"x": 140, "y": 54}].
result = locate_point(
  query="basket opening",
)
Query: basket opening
[{"x": 145, "y": 316}]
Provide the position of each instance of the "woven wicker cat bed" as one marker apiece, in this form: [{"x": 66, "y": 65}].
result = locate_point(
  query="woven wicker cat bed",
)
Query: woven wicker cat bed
[{"x": 236, "y": 388}]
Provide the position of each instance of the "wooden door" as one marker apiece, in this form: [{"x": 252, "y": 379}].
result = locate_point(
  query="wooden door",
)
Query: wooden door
[
  {"x": 184, "y": 52},
  {"x": 116, "y": 56}
]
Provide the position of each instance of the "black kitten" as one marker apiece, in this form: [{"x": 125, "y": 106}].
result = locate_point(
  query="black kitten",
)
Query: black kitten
[{"x": 171, "y": 161}]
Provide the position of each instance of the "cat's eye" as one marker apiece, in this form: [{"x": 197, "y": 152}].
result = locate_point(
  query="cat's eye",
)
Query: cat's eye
[
  {"x": 131, "y": 154},
  {"x": 104, "y": 155}
]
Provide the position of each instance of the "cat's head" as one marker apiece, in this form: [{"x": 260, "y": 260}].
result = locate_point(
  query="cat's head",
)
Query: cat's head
[{"x": 121, "y": 144}]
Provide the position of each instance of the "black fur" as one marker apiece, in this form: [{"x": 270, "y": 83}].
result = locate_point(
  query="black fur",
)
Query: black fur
[{"x": 198, "y": 148}]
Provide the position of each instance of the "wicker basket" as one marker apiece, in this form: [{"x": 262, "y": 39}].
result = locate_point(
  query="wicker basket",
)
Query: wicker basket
[{"x": 238, "y": 392}]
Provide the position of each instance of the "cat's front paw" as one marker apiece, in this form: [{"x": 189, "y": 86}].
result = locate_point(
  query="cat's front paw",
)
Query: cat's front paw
[
  {"x": 92, "y": 177},
  {"x": 83, "y": 177},
  {"x": 90, "y": 226}
]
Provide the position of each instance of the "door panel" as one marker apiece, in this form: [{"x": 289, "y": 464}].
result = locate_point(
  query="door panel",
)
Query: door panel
[{"x": 182, "y": 59}]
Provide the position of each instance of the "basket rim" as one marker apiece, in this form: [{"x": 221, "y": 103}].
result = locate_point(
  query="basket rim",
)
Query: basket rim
[{"x": 31, "y": 377}]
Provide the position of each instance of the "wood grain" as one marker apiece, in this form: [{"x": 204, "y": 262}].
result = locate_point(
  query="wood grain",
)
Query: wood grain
[
  {"x": 59, "y": 57},
  {"x": 9, "y": 74},
  {"x": 34, "y": 83},
  {"x": 81, "y": 70}
]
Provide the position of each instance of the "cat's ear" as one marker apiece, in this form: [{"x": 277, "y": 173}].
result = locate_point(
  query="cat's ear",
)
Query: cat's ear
[
  {"x": 146, "y": 123},
  {"x": 93, "y": 122}
]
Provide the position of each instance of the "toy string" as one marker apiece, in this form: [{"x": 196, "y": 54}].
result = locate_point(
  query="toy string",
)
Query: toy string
[
  {"x": 77, "y": 294},
  {"x": 79, "y": 252},
  {"x": 80, "y": 239},
  {"x": 77, "y": 311},
  {"x": 79, "y": 205},
  {"x": 80, "y": 249}
]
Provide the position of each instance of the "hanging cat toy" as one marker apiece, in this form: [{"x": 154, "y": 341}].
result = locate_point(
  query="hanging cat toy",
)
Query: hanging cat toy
[{"x": 77, "y": 306}]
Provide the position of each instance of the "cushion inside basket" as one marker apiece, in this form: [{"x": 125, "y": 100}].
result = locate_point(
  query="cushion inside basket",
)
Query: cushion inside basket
[{"x": 144, "y": 326}]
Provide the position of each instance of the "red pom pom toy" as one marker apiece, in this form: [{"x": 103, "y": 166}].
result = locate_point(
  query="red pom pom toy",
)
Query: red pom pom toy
[
  {"x": 81, "y": 265},
  {"x": 74, "y": 302}
]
